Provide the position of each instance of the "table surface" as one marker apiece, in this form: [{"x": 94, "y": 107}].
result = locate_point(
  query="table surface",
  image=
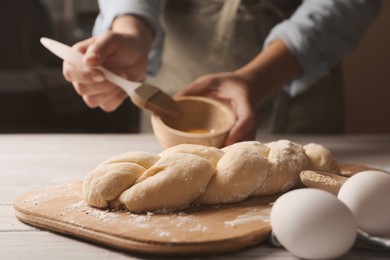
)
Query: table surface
[{"x": 34, "y": 161}]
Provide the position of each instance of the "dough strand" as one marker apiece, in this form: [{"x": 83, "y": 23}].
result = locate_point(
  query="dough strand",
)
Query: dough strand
[{"x": 195, "y": 174}]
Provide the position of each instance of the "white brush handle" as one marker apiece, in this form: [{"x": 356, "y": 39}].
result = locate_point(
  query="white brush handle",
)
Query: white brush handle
[
  {"x": 126, "y": 85},
  {"x": 66, "y": 53}
]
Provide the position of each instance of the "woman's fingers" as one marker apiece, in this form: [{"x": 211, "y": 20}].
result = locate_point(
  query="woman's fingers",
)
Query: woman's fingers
[
  {"x": 230, "y": 90},
  {"x": 99, "y": 50},
  {"x": 200, "y": 87},
  {"x": 83, "y": 75},
  {"x": 107, "y": 100},
  {"x": 94, "y": 89},
  {"x": 82, "y": 46},
  {"x": 245, "y": 127},
  {"x": 113, "y": 103},
  {"x": 243, "y": 130}
]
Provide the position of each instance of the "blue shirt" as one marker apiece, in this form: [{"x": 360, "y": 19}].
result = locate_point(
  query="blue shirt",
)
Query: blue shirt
[{"x": 319, "y": 34}]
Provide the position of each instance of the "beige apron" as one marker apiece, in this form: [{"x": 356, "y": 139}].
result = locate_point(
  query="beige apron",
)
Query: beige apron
[{"x": 188, "y": 54}]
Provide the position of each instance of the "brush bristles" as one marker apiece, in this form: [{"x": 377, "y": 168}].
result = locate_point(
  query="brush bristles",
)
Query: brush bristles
[{"x": 155, "y": 100}]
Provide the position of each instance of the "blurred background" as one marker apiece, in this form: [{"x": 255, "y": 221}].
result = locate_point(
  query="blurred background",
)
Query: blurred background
[
  {"x": 34, "y": 97},
  {"x": 367, "y": 79}
]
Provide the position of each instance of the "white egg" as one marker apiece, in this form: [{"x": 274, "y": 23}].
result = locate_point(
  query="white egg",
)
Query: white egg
[
  {"x": 367, "y": 194},
  {"x": 313, "y": 224}
]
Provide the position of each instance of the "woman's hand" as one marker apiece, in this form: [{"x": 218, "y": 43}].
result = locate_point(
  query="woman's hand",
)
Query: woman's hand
[
  {"x": 123, "y": 52},
  {"x": 230, "y": 89},
  {"x": 249, "y": 86}
]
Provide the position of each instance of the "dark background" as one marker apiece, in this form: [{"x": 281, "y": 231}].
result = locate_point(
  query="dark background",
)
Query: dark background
[
  {"x": 367, "y": 79},
  {"x": 34, "y": 97}
]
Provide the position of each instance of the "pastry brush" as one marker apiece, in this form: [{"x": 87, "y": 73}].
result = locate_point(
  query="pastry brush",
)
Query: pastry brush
[{"x": 142, "y": 95}]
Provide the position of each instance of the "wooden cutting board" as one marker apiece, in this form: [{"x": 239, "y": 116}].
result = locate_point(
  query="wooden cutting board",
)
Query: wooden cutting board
[{"x": 195, "y": 230}]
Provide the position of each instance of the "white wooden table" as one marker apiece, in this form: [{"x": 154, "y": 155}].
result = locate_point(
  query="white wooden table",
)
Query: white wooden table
[{"x": 29, "y": 162}]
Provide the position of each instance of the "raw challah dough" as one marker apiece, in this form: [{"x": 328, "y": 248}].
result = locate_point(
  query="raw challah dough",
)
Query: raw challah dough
[
  {"x": 195, "y": 174},
  {"x": 286, "y": 160},
  {"x": 320, "y": 158},
  {"x": 104, "y": 184},
  {"x": 210, "y": 153},
  {"x": 173, "y": 182},
  {"x": 239, "y": 173}
]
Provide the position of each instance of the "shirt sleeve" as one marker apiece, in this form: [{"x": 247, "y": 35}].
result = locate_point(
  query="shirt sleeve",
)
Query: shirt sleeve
[
  {"x": 321, "y": 32},
  {"x": 147, "y": 10}
]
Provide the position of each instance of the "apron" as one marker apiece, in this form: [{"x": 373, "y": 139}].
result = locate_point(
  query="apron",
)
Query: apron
[{"x": 188, "y": 54}]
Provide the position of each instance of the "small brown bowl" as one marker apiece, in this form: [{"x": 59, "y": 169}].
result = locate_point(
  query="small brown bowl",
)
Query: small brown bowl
[{"x": 203, "y": 121}]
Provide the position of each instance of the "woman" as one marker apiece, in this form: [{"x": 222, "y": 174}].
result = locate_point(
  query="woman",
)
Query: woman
[{"x": 243, "y": 53}]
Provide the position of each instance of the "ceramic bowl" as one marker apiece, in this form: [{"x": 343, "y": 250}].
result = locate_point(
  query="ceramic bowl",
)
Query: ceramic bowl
[{"x": 203, "y": 121}]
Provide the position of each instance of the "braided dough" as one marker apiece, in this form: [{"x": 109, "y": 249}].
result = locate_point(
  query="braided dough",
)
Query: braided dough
[{"x": 195, "y": 174}]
